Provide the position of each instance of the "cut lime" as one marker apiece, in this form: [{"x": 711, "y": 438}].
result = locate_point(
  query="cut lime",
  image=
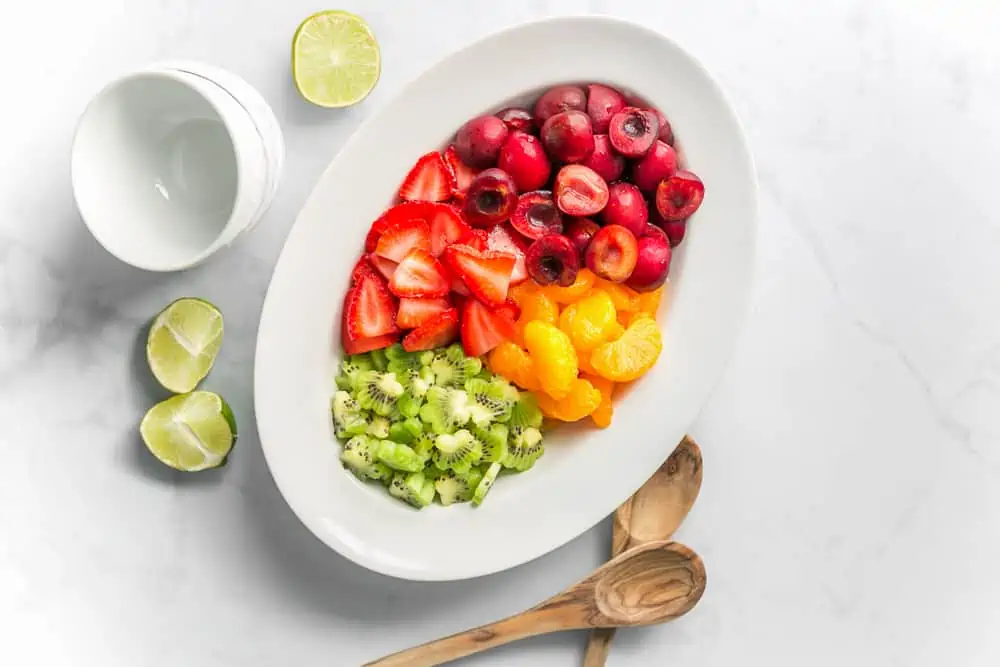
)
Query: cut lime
[
  {"x": 190, "y": 432},
  {"x": 335, "y": 59},
  {"x": 182, "y": 344}
]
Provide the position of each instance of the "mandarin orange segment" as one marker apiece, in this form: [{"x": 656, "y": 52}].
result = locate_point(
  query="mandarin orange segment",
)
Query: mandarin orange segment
[
  {"x": 539, "y": 306},
  {"x": 584, "y": 281},
  {"x": 583, "y": 398},
  {"x": 649, "y": 302},
  {"x": 601, "y": 416},
  {"x": 583, "y": 362},
  {"x": 554, "y": 357},
  {"x": 512, "y": 361},
  {"x": 615, "y": 331},
  {"x": 628, "y": 319},
  {"x": 518, "y": 292},
  {"x": 629, "y": 357},
  {"x": 590, "y": 321},
  {"x": 625, "y": 298}
]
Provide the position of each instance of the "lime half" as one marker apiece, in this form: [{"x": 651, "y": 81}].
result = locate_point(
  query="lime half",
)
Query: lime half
[
  {"x": 335, "y": 59},
  {"x": 190, "y": 432},
  {"x": 182, "y": 344}
]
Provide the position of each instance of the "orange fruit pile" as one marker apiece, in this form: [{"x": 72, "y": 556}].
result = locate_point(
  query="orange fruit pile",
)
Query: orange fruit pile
[{"x": 576, "y": 343}]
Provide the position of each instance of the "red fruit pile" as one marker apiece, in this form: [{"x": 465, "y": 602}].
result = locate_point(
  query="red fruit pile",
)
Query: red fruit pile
[{"x": 586, "y": 177}]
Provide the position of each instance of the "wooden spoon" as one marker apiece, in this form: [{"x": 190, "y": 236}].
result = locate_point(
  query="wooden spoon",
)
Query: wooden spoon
[
  {"x": 654, "y": 512},
  {"x": 653, "y": 583}
]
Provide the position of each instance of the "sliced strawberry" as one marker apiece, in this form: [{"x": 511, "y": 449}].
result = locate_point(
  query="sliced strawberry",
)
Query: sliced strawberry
[
  {"x": 438, "y": 331},
  {"x": 360, "y": 345},
  {"x": 462, "y": 172},
  {"x": 369, "y": 309},
  {"x": 510, "y": 310},
  {"x": 486, "y": 274},
  {"x": 483, "y": 328},
  {"x": 402, "y": 237},
  {"x": 386, "y": 267},
  {"x": 503, "y": 238},
  {"x": 477, "y": 238},
  {"x": 414, "y": 312},
  {"x": 428, "y": 180},
  {"x": 363, "y": 267},
  {"x": 419, "y": 275},
  {"x": 407, "y": 210},
  {"x": 459, "y": 287},
  {"x": 447, "y": 227}
]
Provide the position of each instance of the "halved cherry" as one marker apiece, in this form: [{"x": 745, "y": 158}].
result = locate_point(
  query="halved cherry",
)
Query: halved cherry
[
  {"x": 679, "y": 196},
  {"x": 536, "y": 215}
]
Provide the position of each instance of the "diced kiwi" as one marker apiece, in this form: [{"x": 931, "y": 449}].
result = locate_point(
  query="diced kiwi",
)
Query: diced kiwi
[
  {"x": 348, "y": 417},
  {"x": 525, "y": 411},
  {"x": 398, "y": 456},
  {"x": 423, "y": 445},
  {"x": 378, "y": 427},
  {"x": 378, "y": 392},
  {"x": 452, "y": 368},
  {"x": 444, "y": 410},
  {"x": 486, "y": 483},
  {"x": 455, "y": 488},
  {"x": 350, "y": 367},
  {"x": 413, "y": 488},
  {"x": 406, "y": 431},
  {"x": 416, "y": 384},
  {"x": 379, "y": 360},
  {"x": 494, "y": 441},
  {"x": 491, "y": 401},
  {"x": 400, "y": 361},
  {"x": 524, "y": 447},
  {"x": 358, "y": 455},
  {"x": 433, "y": 473},
  {"x": 457, "y": 451}
]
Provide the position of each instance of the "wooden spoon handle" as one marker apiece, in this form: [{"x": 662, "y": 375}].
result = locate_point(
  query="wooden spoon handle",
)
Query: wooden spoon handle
[
  {"x": 599, "y": 639},
  {"x": 521, "y": 626},
  {"x": 598, "y": 647}
]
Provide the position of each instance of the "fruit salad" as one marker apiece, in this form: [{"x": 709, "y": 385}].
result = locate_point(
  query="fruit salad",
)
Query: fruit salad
[{"x": 512, "y": 286}]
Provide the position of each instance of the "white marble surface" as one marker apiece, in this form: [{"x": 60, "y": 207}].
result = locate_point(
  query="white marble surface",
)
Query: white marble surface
[{"x": 852, "y": 491}]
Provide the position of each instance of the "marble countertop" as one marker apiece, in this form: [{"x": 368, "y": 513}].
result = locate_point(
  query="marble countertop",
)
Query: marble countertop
[{"x": 852, "y": 450}]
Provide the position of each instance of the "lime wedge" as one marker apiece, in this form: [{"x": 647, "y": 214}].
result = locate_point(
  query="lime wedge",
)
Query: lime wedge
[
  {"x": 335, "y": 59},
  {"x": 190, "y": 432},
  {"x": 182, "y": 344}
]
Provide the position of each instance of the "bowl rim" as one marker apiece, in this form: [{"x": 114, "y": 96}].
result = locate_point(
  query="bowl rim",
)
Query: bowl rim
[{"x": 739, "y": 318}]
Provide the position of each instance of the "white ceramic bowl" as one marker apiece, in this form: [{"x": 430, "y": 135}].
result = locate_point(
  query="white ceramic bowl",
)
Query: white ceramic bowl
[
  {"x": 586, "y": 472},
  {"x": 260, "y": 111},
  {"x": 167, "y": 168}
]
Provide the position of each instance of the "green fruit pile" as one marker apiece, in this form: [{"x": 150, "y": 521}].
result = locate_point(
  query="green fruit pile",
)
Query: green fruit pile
[{"x": 432, "y": 424}]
